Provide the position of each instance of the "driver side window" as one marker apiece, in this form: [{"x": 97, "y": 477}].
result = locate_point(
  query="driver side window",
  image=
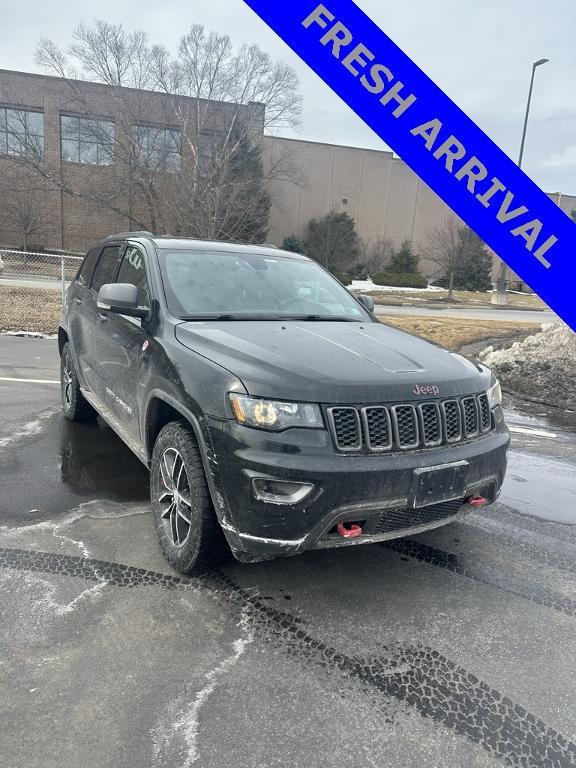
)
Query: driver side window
[
  {"x": 133, "y": 271},
  {"x": 106, "y": 268}
]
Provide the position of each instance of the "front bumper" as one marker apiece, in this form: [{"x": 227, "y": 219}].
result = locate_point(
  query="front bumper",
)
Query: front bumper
[{"x": 373, "y": 489}]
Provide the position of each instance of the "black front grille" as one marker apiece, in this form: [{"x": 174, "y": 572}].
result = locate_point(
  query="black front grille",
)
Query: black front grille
[
  {"x": 485, "y": 415},
  {"x": 402, "y": 519},
  {"x": 452, "y": 420},
  {"x": 404, "y": 426},
  {"x": 430, "y": 424},
  {"x": 377, "y": 428},
  {"x": 346, "y": 426},
  {"x": 470, "y": 415}
]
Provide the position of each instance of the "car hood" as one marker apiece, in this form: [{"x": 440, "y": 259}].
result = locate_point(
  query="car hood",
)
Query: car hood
[{"x": 332, "y": 362}]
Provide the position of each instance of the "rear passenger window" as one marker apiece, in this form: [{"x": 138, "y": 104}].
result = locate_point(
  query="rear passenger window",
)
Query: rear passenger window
[
  {"x": 87, "y": 267},
  {"x": 133, "y": 271},
  {"x": 106, "y": 268}
]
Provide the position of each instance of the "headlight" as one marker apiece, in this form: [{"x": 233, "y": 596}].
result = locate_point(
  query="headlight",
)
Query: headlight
[
  {"x": 274, "y": 415},
  {"x": 495, "y": 395}
]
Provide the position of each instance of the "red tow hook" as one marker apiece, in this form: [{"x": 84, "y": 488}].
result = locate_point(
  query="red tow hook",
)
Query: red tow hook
[
  {"x": 477, "y": 501},
  {"x": 349, "y": 533}
]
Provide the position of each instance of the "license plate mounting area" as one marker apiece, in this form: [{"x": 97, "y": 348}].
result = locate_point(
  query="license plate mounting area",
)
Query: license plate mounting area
[{"x": 433, "y": 485}]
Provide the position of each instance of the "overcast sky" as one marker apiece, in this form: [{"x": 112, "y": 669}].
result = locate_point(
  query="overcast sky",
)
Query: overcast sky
[{"x": 479, "y": 52}]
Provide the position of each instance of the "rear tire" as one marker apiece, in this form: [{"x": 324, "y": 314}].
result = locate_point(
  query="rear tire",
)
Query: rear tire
[
  {"x": 74, "y": 404},
  {"x": 186, "y": 524}
]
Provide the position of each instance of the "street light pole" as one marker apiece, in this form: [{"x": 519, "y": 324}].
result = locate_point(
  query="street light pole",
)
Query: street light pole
[{"x": 500, "y": 295}]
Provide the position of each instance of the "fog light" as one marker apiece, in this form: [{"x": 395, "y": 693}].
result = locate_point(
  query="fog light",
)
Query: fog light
[{"x": 280, "y": 491}]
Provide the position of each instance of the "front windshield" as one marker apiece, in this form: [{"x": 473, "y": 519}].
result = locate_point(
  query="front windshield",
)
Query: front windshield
[{"x": 235, "y": 285}]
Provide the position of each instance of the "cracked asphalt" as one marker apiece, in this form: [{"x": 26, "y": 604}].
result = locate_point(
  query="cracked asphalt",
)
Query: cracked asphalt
[{"x": 452, "y": 648}]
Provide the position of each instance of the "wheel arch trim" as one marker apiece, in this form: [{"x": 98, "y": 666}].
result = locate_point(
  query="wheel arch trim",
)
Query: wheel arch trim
[{"x": 207, "y": 455}]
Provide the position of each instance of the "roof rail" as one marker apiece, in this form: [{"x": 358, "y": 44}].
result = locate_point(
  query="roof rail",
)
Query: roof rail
[
  {"x": 269, "y": 245},
  {"x": 141, "y": 233}
]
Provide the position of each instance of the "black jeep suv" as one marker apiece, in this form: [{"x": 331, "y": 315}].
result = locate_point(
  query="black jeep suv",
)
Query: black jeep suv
[{"x": 275, "y": 413}]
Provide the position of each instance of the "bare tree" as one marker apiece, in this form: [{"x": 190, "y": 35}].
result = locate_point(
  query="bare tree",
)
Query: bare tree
[
  {"x": 25, "y": 214},
  {"x": 177, "y": 161},
  {"x": 375, "y": 254},
  {"x": 219, "y": 200},
  {"x": 443, "y": 249}
]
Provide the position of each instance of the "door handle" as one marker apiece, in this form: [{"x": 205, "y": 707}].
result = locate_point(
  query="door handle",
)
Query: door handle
[
  {"x": 77, "y": 300},
  {"x": 102, "y": 318}
]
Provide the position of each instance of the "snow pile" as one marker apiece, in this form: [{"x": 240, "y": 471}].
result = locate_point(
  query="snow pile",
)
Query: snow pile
[
  {"x": 542, "y": 367},
  {"x": 30, "y": 334},
  {"x": 368, "y": 285}
]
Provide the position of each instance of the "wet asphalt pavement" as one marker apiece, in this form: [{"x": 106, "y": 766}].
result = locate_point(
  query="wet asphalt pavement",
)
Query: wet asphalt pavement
[{"x": 452, "y": 648}]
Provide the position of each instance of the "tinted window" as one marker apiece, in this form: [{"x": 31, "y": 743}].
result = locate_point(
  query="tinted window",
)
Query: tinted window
[
  {"x": 87, "y": 266},
  {"x": 106, "y": 268},
  {"x": 133, "y": 271}
]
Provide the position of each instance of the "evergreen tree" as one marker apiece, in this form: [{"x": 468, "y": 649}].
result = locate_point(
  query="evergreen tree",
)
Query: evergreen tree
[
  {"x": 473, "y": 266},
  {"x": 333, "y": 241},
  {"x": 248, "y": 201},
  {"x": 405, "y": 260},
  {"x": 293, "y": 244}
]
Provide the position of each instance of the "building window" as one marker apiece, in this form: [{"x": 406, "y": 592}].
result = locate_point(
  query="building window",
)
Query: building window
[
  {"x": 87, "y": 140},
  {"x": 21, "y": 132},
  {"x": 159, "y": 149}
]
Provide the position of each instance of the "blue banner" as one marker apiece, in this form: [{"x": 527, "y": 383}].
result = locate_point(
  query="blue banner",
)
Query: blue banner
[{"x": 436, "y": 139}]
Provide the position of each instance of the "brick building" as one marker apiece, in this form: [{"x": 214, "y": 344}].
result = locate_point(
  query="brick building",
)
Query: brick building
[
  {"x": 84, "y": 138},
  {"x": 83, "y": 131}
]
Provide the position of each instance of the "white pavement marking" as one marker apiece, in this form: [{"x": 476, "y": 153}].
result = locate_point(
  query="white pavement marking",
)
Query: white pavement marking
[
  {"x": 29, "y": 381},
  {"x": 532, "y": 432}
]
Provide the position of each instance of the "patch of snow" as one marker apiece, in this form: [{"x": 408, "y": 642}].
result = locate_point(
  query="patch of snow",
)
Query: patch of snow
[
  {"x": 368, "y": 285},
  {"x": 31, "y": 334}
]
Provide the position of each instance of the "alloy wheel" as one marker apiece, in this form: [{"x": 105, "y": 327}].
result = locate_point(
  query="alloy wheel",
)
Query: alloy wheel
[
  {"x": 175, "y": 500},
  {"x": 67, "y": 380}
]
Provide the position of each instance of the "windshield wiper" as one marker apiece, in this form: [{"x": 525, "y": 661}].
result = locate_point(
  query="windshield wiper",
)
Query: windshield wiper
[
  {"x": 325, "y": 318},
  {"x": 271, "y": 316},
  {"x": 231, "y": 316}
]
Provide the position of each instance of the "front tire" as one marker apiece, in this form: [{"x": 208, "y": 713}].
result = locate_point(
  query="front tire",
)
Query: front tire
[
  {"x": 186, "y": 524},
  {"x": 74, "y": 404}
]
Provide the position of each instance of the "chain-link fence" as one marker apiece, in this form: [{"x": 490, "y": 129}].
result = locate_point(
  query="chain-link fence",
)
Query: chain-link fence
[{"x": 32, "y": 286}]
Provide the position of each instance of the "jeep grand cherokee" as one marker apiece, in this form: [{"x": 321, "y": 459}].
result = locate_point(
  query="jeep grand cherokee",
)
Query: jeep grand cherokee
[{"x": 275, "y": 413}]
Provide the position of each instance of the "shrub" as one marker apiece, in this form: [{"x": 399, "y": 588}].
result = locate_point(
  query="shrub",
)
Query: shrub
[
  {"x": 293, "y": 243},
  {"x": 333, "y": 241},
  {"x": 404, "y": 261},
  {"x": 400, "y": 279}
]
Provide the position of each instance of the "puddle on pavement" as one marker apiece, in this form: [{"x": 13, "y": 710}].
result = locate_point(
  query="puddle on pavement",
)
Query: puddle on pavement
[
  {"x": 541, "y": 486},
  {"x": 65, "y": 465},
  {"x": 538, "y": 415}
]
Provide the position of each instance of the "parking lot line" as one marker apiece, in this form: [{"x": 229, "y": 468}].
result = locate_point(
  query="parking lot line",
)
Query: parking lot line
[{"x": 29, "y": 381}]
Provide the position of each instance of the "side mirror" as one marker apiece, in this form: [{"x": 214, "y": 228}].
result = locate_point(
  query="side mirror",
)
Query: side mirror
[
  {"x": 367, "y": 302},
  {"x": 121, "y": 298}
]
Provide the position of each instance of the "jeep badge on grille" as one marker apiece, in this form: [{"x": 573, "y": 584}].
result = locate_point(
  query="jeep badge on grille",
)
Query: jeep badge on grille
[{"x": 427, "y": 390}]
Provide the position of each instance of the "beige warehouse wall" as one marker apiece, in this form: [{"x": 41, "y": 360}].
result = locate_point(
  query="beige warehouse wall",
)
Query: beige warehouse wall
[{"x": 383, "y": 195}]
